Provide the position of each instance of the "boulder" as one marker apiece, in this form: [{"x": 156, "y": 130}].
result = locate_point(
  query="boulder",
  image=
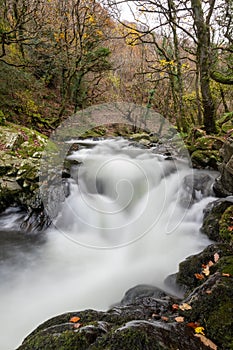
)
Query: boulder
[
  {"x": 21, "y": 150},
  {"x": 146, "y": 324},
  {"x": 223, "y": 185},
  {"x": 217, "y": 220}
]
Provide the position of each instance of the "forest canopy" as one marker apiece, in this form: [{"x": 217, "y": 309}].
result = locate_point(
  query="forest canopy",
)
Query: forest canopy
[{"x": 60, "y": 56}]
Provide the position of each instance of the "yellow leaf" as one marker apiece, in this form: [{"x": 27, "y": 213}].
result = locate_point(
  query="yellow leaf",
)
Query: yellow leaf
[
  {"x": 207, "y": 341},
  {"x": 206, "y": 271},
  {"x": 200, "y": 330},
  {"x": 185, "y": 306}
]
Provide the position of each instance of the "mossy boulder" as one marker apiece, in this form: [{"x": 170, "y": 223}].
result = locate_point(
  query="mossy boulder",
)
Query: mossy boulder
[
  {"x": 223, "y": 185},
  {"x": 205, "y": 159},
  {"x": 212, "y": 307},
  {"x": 20, "y": 153},
  {"x": 204, "y": 149},
  {"x": 137, "y": 326},
  {"x": 225, "y": 123},
  {"x": 217, "y": 221}
]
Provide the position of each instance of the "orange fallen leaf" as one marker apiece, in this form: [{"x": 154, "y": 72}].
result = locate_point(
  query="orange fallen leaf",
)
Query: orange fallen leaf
[
  {"x": 164, "y": 318},
  {"x": 199, "y": 276},
  {"x": 216, "y": 257},
  {"x": 193, "y": 324},
  {"x": 208, "y": 291},
  {"x": 175, "y": 306},
  {"x": 210, "y": 263},
  {"x": 185, "y": 306},
  {"x": 74, "y": 319},
  {"x": 77, "y": 325},
  {"x": 207, "y": 341},
  {"x": 230, "y": 228},
  {"x": 179, "y": 319},
  {"x": 226, "y": 274}
]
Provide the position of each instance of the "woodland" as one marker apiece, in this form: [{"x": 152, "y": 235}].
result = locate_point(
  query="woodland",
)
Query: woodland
[
  {"x": 60, "y": 56},
  {"x": 57, "y": 59}
]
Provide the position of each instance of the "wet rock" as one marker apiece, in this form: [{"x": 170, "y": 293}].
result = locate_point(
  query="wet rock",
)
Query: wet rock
[
  {"x": 123, "y": 327},
  {"x": 212, "y": 307},
  {"x": 204, "y": 149},
  {"x": 223, "y": 185},
  {"x": 141, "y": 291},
  {"x": 197, "y": 186},
  {"x": 212, "y": 218},
  {"x": 205, "y": 159},
  {"x": 194, "y": 265}
]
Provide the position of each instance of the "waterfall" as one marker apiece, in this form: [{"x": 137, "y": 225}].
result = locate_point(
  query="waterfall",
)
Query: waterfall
[{"x": 128, "y": 220}]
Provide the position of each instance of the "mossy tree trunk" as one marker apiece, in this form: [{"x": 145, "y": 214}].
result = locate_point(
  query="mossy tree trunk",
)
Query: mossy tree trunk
[{"x": 201, "y": 25}]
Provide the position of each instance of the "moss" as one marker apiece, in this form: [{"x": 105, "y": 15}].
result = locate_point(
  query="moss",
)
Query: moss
[
  {"x": 209, "y": 143},
  {"x": 219, "y": 325},
  {"x": 225, "y": 265},
  {"x": 68, "y": 340},
  {"x": 207, "y": 158},
  {"x": 226, "y": 225}
]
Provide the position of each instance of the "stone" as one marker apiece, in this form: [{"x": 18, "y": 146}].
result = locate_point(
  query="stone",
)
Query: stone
[
  {"x": 223, "y": 185},
  {"x": 212, "y": 216},
  {"x": 140, "y": 291}
]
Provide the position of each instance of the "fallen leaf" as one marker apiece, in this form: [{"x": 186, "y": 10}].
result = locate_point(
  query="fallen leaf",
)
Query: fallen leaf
[
  {"x": 230, "y": 228},
  {"x": 226, "y": 274},
  {"x": 164, "y": 318},
  {"x": 77, "y": 325},
  {"x": 179, "y": 319},
  {"x": 207, "y": 341},
  {"x": 74, "y": 319},
  {"x": 193, "y": 324},
  {"x": 206, "y": 271},
  {"x": 208, "y": 291},
  {"x": 210, "y": 263},
  {"x": 216, "y": 257},
  {"x": 155, "y": 316},
  {"x": 175, "y": 306},
  {"x": 199, "y": 330},
  {"x": 199, "y": 276},
  {"x": 185, "y": 306}
]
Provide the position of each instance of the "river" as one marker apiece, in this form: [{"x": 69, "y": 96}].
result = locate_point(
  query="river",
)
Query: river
[{"x": 129, "y": 219}]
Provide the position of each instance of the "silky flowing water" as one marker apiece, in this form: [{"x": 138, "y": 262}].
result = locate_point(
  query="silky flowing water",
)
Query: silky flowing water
[{"x": 128, "y": 220}]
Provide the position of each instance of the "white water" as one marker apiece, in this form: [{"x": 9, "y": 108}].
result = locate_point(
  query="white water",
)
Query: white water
[{"x": 122, "y": 225}]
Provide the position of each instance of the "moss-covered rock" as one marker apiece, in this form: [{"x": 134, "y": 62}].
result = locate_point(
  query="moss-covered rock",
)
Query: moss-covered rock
[
  {"x": 212, "y": 307},
  {"x": 205, "y": 159},
  {"x": 20, "y": 153},
  {"x": 137, "y": 326},
  {"x": 217, "y": 220},
  {"x": 226, "y": 225}
]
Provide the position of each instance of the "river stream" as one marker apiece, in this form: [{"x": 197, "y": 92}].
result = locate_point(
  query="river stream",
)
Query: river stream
[{"x": 128, "y": 220}]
